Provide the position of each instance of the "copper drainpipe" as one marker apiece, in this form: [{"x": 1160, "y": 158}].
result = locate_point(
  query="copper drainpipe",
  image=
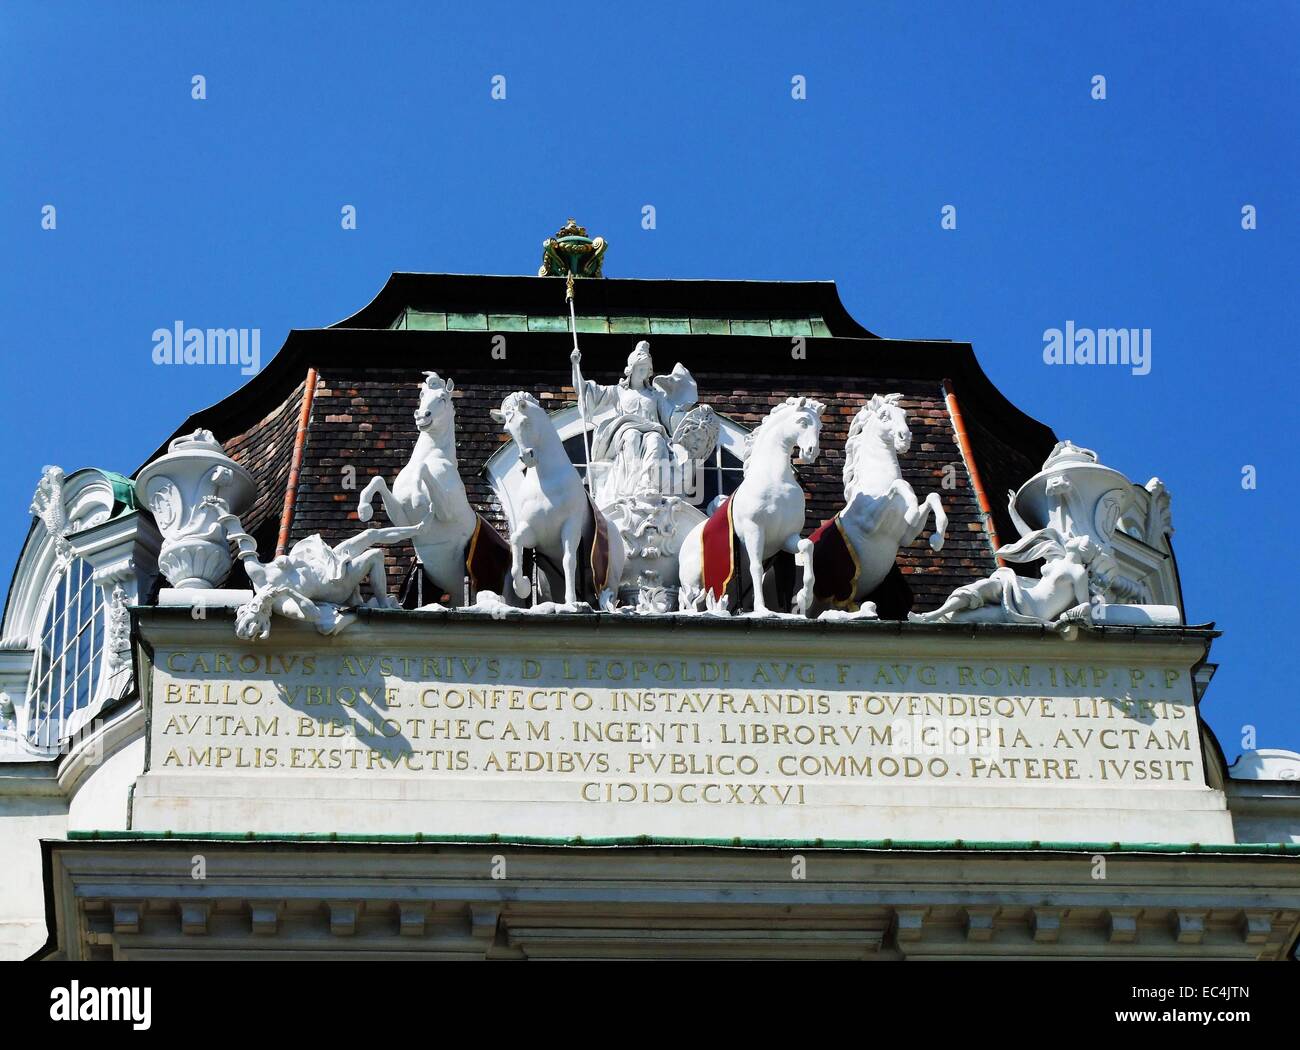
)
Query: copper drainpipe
[
  {"x": 963, "y": 443},
  {"x": 295, "y": 464}
]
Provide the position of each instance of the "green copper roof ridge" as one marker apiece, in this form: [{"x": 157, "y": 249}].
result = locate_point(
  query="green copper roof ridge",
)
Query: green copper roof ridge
[
  {"x": 807, "y": 324},
  {"x": 901, "y": 845},
  {"x": 123, "y": 487}
]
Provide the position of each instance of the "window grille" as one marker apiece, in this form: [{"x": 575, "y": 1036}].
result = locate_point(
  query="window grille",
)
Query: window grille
[{"x": 65, "y": 670}]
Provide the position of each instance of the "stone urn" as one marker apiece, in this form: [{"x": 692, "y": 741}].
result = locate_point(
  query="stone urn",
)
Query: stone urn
[
  {"x": 1076, "y": 495},
  {"x": 195, "y": 553}
]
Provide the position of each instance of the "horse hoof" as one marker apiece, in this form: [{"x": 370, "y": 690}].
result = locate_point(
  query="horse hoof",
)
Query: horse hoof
[
  {"x": 936, "y": 541},
  {"x": 523, "y": 587},
  {"x": 365, "y": 511}
]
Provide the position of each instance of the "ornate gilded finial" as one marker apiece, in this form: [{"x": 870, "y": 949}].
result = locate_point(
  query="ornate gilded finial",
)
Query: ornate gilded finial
[{"x": 571, "y": 253}]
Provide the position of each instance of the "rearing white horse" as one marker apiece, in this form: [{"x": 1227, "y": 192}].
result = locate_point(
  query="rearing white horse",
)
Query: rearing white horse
[
  {"x": 765, "y": 513},
  {"x": 552, "y": 515},
  {"x": 881, "y": 512},
  {"x": 429, "y": 492}
]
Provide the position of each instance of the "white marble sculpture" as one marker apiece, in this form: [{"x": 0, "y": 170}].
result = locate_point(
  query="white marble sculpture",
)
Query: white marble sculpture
[
  {"x": 47, "y": 504},
  {"x": 175, "y": 487},
  {"x": 1083, "y": 518},
  {"x": 314, "y": 581},
  {"x": 767, "y": 508},
  {"x": 881, "y": 512},
  {"x": 1079, "y": 496},
  {"x": 551, "y": 512},
  {"x": 652, "y": 528},
  {"x": 1063, "y": 586},
  {"x": 650, "y": 434},
  {"x": 651, "y": 440},
  {"x": 429, "y": 493}
]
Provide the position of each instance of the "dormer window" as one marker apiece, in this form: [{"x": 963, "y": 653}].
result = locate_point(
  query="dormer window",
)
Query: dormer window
[
  {"x": 65, "y": 645},
  {"x": 66, "y": 665}
]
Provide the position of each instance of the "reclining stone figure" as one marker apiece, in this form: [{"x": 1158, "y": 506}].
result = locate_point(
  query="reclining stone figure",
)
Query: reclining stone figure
[{"x": 314, "y": 581}]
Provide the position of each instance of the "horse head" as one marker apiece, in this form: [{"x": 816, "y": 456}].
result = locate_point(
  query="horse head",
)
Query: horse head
[
  {"x": 878, "y": 435},
  {"x": 435, "y": 408},
  {"x": 517, "y": 416},
  {"x": 805, "y": 417},
  {"x": 883, "y": 417},
  {"x": 795, "y": 422}
]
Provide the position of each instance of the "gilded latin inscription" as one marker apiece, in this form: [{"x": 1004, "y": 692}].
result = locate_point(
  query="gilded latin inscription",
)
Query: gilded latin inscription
[{"x": 748, "y": 732}]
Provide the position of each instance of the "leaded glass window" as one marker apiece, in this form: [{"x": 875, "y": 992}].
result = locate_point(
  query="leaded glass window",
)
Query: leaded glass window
[{"x": 65, "y": 668}]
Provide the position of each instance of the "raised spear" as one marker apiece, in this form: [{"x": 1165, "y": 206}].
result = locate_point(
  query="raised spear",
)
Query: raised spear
[
  {"x": 574, "y": 356},
  {"x": 572, "y": 253}
]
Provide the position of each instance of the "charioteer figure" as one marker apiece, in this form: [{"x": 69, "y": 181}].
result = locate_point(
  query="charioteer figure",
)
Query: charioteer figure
[{"x": 650, "y": 429}]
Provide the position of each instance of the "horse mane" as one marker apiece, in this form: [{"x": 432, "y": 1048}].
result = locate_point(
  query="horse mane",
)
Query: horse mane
[
  {"x": 853, "y": 443},
  {"x": 790, "y": 404},
  {"x": 433, "y": 381},
  {"x": 519, "y": 397}
]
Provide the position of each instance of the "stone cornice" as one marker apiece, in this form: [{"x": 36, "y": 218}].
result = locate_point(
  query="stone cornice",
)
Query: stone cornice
[
  {"x": 140, "y": 900},
  {"x": 698, "y": 633}
]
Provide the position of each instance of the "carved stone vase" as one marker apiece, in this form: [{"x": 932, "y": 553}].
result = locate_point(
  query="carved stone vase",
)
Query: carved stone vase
[{"x": 195, "y": 552}]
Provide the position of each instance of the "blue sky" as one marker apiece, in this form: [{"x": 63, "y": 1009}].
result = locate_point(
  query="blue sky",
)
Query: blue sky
[{"x": 1117, "y": 213}]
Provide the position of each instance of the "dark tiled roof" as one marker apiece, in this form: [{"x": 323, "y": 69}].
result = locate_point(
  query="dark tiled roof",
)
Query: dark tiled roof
[{"x": 265, "y": 450}]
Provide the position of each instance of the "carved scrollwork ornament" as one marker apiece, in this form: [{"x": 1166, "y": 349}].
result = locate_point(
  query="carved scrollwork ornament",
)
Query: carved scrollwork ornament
[
  {"x": 118, "y": 629},
  {"x": 47, "y": 504}
]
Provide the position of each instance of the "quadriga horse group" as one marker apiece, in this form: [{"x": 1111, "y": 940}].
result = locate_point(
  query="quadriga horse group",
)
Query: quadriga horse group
[{"x": 739, "y": 559}]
